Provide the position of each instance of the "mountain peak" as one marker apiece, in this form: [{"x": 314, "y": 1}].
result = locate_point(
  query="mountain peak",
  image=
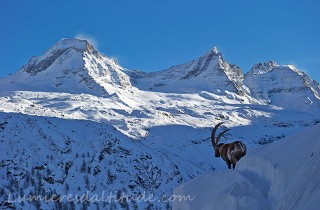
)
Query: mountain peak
[
  {"x": 264, "y": 67},
  {"x": 41, "y": 63},
  {"x": 274, "y": 83},
  {"x": 209, "y": 72},
  {"x": 62, "y": 47},
  {"x": 73, "y": 66},
  {"x": 213, "y": 52},
  {"x": 268, "y": 66},
  {"x": 71, "y": 42},
  {"x": 74, "y": 43}
]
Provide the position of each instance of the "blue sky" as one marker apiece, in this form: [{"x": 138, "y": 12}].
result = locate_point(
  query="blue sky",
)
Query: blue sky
[{"x": 153, "y": 35}]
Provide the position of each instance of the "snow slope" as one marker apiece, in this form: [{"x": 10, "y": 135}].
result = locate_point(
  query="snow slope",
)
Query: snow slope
[
  {"x": 43, "y": 155},
  {"x": 283, "y": 85},
  {"x": 282, "y": 175}
]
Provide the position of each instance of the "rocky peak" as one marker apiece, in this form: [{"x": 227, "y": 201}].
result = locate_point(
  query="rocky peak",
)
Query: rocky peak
[
  {"x": 209, "y": 72},
  {"x": 281, "y": 85},
  {"x": 41, "y": 63},
  {"x": 264, "y": 67},
  {"x": 74, "y": 43},
  {"x": 210, "y": 64},
  {"x": 213, "y": 52},
  {"x": 73, "y": 65}
]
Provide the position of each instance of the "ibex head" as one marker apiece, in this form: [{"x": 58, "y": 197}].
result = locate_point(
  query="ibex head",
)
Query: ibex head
[{"x": 230, "y": 153}]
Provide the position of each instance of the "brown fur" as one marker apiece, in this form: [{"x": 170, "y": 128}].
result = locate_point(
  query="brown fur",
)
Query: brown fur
[{"x": 231, "y": 153}]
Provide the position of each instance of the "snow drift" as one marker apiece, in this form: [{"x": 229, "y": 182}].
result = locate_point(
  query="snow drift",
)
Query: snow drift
[{"x": 281, "y": 175}]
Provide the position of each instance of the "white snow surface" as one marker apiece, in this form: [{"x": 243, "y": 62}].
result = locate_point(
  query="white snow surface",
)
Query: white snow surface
[
  {"x": 146, "y": 131},
  {"x": 283, "y": 85},
  {"x": 282, "y": 175}
]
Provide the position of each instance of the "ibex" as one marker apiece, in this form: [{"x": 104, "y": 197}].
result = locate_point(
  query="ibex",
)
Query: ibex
[{"x": 230, "y": 153}]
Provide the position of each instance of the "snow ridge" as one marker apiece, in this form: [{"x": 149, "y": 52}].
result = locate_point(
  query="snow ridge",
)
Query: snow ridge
[{"x": 283, "y": 85}]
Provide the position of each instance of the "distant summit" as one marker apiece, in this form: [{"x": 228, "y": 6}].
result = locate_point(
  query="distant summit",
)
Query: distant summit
[
  {"x": 215, "y": 50},
  {"x": 283, "y": 85},
  {"x": 41, "y": 63},
  {"x": 265, "y": 67},
  {"x": 210, "y": 72},
  {"x": 73, "y": 66}
]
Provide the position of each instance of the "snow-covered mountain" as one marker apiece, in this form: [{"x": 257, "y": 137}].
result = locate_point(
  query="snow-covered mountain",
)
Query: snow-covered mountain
[
  {"x": 73, "y": 120},
  {"x": 281, "y": 175},
  {"x": 283, "y": 85},
  {"x": 71, "y": 66},
  {"x": 209, "y": 72}
]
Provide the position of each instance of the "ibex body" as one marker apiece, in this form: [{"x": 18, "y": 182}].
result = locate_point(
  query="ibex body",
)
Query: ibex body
[{"x": 231, "y": 153}]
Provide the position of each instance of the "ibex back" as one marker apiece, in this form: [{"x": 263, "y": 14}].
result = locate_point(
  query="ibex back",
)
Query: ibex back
[{"x": 231, "y": 153}]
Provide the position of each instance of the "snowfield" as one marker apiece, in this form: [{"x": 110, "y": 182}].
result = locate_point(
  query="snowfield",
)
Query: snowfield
[
  {"x": 281, "y": 175},
  {"x": 73, "y": 121}
]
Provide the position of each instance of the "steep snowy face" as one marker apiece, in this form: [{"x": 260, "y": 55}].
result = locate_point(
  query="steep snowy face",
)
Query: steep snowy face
[
  {"x": 209, "y": 72},
  {"x": 73, "y": 66},
  {"x": 284, "y": 86},
  {"x": 281, "y": 175},
  {"x": 41, "y": 63}
]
